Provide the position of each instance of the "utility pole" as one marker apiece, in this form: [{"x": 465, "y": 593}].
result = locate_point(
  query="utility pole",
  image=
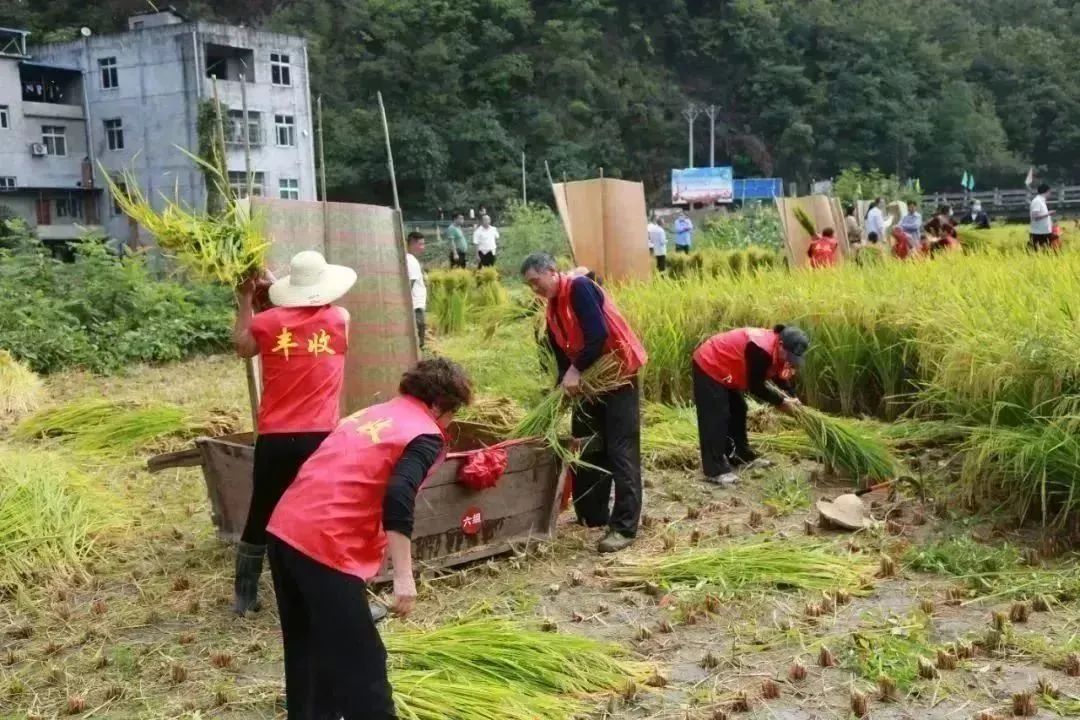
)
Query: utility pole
[
  {"x": 524, "y": 191},
  {"x": 691, "y": 113},
  {"x": 711, "y": 112},
  {"x": 249, "y": 177}
]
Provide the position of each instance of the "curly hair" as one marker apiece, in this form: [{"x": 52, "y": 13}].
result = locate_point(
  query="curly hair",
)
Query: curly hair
[{"x": 439, "y": 382}]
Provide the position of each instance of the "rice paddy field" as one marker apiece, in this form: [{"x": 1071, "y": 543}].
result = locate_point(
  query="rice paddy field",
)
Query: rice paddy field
[{"x": 960, "y": 600}]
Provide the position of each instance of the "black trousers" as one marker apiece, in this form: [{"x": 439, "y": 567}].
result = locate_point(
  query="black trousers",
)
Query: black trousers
[
  {"x": 335, "y": 662},
  {"x": 721, "y": 418},
  {"x": 421, "y": 325},
  {"x": 278, "y": 457},
  {"x": 1041, "y": 242},
  {"x": 611, "y": 424},
  {"x": 682, "y": 248},
  {"x": 487, "y": 259},
  {"x": 458, "y": 261},
  {"x": 661, "y": 262}
]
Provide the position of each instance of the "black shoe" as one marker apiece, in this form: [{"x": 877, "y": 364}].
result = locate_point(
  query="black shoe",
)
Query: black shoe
[
  {"x": 249, "y": 563},
  {"x": 743, "y": 456}
]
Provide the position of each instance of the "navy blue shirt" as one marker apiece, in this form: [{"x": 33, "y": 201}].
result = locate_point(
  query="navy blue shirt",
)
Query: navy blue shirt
[{"x": 587, "y": 303}]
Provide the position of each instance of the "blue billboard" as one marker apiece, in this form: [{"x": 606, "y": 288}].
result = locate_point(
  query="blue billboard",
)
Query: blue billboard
[{"x": 702, "y": 185}]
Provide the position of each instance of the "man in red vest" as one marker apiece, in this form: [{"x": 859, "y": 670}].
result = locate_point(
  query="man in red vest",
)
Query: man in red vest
[
  {"x": 353, "y": 501},
  {"x": 301, "y": 344},
  {"x": 728, "y": 365},
  {"x": 583, "y": 324}
]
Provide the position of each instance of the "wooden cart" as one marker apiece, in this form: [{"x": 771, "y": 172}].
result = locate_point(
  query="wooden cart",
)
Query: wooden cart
[{"x": 453, "y": 524}]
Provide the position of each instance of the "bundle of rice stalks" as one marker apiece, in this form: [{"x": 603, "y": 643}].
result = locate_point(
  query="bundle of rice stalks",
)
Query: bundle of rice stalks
[
  {"x": 449, "y": 299},
  {"x": 439, "y": 695},
  {"x": 546, "y": 419},
  {"x": 501, "y": 651},
  {"x": 49, "y": 515},
  {"x": 113, "y": 429},
  {"x": 751, "y": 566},
  {"x": 804, "y": 220},
  {"x": 226, "y": 248},
  {"x": 497, "y": 416},
  {"x": 489, "y": 291},
  {"x": 843, "y": 446},
  {"x": 20, "y": 387}
]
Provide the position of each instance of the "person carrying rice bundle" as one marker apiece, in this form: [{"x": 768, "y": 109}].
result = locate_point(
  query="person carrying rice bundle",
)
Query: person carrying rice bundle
[
  {"x": 584, "y": 325},
  {"x": 301, "y": 343},
  {"x": 823, "y": 249},
  {"x": 352, "y": 502},
  {"x": 725, "y": 367}
]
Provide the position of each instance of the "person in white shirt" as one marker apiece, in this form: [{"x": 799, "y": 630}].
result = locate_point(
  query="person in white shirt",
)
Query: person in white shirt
[
  {"x": 658, "y": 243},
  {"x": 875, "y": 222},
  {"x": 417, "y": 286},
  {"x": 1042, "y": 220},
  {"x": 484, "y": 238}
]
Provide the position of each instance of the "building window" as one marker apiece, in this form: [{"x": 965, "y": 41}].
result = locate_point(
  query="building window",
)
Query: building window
[
  {"x": 279, "y": 69},
  {"x": 238, "y": 183},
  {"x": 7, "y": 183},
  {"x": 69, "y": 207},
  {"x": 117, "y": 211},
  {"x": 5, "y": 123},
  {"x": 114, "y": 134},
  {"x": 52, "y": 136},
  {"x": 235, "y": 132},
  {"x": 285, "y": 127},
  {"x": 289, "y": 188},
  {"x": 109, "y": 79}
]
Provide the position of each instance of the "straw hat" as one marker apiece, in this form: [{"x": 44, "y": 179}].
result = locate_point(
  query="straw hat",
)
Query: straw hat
[
  {"x": 846, "y": 511},
  {"x": 312, "y": 282}
]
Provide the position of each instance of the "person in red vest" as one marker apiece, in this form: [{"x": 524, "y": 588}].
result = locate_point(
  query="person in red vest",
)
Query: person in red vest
[
  {"x": 728, "y": 365},
  {"x": 351, "y": 503},
  {"x": 822, "y": 250},
  {"x": 583, "y": 324},
  {"x": 301, "y": 344}
]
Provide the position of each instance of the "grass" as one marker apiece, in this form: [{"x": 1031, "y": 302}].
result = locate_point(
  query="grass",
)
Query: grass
[
  {"x": 890, "y": 646},
  {"x": 49, "y": 516},
  {"x": 787, "y": 493},
  {"x": 750, "y": 566}
]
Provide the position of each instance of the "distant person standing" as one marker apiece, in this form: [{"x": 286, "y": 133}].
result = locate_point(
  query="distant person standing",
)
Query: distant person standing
[
  {"x": 1042, "y": 220},
  {"x": 851, "y": 225},
  {"x": 875, "y": 221},
  {"x": 458, "y": 244},
  {"x": 658, "y": 243},
  {"x": 912, "y": 224},
  {"x": 684, "y": 232},
  {"x": 485, "y": 239},
  {"x": 417, "y": 286}
]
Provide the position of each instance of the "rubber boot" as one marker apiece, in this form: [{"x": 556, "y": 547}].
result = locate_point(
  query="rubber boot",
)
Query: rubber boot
[{"x": 249, "y": 563}]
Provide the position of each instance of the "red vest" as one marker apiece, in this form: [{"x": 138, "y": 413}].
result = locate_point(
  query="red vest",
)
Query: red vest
[
  {"x": 566, "y": 329},
  {"x": 822, "y": 252},
  {"x": 302, "y": 351},
  {"x": 723, "y": 357},
  {"x": 333, "y": 511}
]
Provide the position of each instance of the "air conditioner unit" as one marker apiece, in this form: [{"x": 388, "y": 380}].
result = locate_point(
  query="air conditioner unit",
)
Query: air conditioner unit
[{"x": 38, "y": 149}]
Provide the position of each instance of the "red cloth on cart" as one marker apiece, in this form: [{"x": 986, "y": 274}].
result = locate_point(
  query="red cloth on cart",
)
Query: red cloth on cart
[{"x": 483, "y": 468}]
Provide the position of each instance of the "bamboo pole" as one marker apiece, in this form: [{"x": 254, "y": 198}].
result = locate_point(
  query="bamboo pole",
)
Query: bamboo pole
[{"x": 390, "y": 163}]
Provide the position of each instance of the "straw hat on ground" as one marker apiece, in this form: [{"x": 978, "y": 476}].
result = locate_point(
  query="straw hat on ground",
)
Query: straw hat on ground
[
  {"x": 311, "y": 282},
  {"x": 846, "y": 511}
]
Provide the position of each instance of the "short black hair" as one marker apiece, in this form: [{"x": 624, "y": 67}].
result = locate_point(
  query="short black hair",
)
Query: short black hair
[
  {"x": 828, "y": 232},
  {"x": 439, "y": 383},
  {"x": 1043, "y": 188},
  {"x": 414, "y": 236},
  {"x": 538, "y": 261},
  {"x": 871, "y": 237}
]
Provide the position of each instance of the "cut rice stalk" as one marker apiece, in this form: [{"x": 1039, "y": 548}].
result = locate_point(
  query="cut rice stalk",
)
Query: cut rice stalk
[
  {"x": 845, "y": 447},
  {"x": 20, "y": 387}
]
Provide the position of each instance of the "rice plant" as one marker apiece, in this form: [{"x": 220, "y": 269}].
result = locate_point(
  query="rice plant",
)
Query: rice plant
[
  {"x": 49, "y": 515},
  {"x": 111, "y": 429},
  {"x": 226, "y": 248},
  {"x": 20, "y": 387},
  {"x": 845, "y": 447},
  {"x": 439, "y": 695},
  {"x": 751, "y": 566}
]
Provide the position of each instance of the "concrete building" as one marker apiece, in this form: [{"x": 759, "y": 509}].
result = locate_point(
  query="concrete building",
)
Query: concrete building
[{"x": 127, "y": 101}]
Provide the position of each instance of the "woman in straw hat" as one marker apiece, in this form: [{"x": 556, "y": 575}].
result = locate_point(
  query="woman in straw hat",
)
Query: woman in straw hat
[{"x": 301, "y": 343}]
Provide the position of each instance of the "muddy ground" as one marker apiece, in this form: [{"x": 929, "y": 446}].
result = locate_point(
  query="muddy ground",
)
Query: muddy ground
[{"x": 148, "y": 633}]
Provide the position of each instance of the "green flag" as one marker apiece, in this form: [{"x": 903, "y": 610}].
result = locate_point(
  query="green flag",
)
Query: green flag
[
  {"x": 964, "y": 180},
  {"x": 971, "y": 182}
]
